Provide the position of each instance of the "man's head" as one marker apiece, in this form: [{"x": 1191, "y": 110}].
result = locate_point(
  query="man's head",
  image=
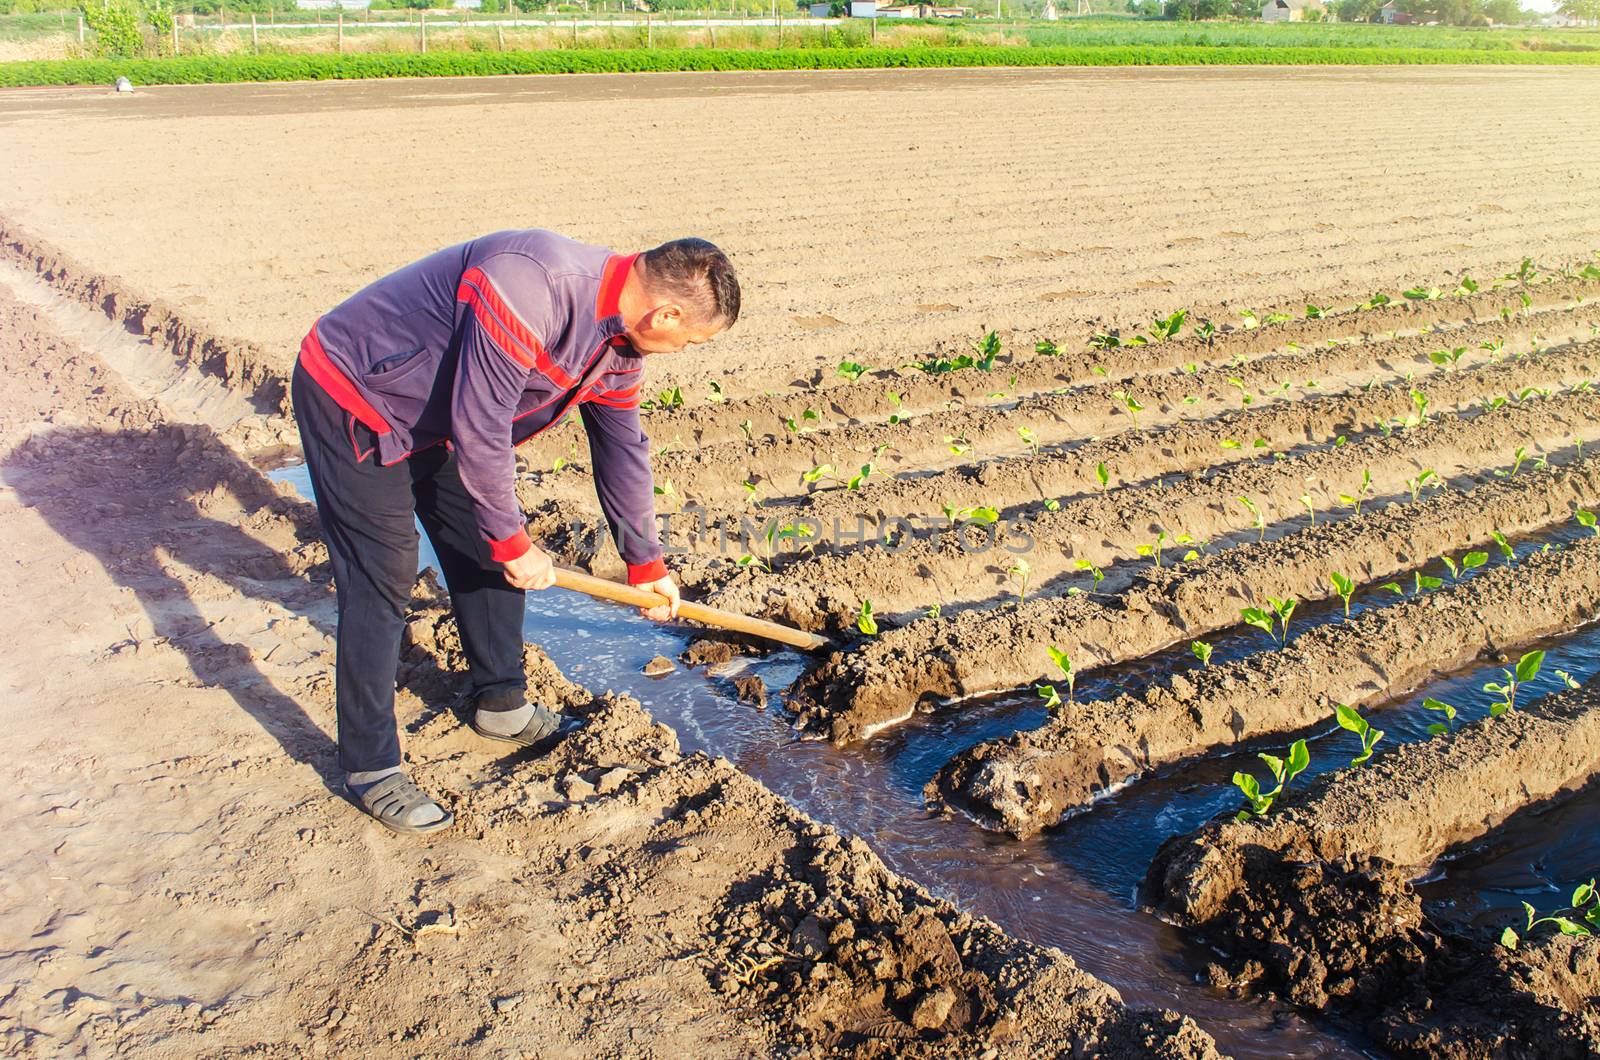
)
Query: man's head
[{"x": 679, "y": 294}]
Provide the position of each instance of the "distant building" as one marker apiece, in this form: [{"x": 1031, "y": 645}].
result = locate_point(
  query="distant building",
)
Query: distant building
[
  {"x": 1390, "y": 15},
  {"x": 1287, "y": 10},
  {"x": 854, "y": 9},
  {"x": 923, "y": 11}
]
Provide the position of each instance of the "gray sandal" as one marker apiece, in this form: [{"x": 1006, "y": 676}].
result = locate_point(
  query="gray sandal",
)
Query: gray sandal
[
  {"x": 544, "y": 727},
  {"x": 392, "y": 800}
]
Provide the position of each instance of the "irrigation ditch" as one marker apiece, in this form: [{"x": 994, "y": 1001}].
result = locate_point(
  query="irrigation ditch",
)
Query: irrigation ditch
[{"x": 1100, "y": 818}]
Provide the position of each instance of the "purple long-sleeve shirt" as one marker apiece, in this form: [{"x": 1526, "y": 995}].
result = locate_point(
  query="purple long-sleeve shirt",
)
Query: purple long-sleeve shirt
[{"x": 485, "y": 344}]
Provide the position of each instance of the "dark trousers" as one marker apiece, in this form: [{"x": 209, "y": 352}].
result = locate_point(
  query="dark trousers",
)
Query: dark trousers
[{"x": 367, "y": 513}]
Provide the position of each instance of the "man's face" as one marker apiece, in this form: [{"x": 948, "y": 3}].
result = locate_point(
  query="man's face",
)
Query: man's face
[{"x": 668, "y": 329}]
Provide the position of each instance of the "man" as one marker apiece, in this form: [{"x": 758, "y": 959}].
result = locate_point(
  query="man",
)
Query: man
[{"x": 411, "y": 395}]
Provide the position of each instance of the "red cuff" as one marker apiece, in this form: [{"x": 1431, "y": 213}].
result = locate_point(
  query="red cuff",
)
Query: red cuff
[
  {"x": 509, "y": 548},
  {"x": 639, "y": 573}
]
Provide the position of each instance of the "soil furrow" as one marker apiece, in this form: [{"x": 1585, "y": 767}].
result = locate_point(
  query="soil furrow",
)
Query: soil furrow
[
  {"x": 926, "y": 397},
  {"x": 1314, "y": 902},
  {"x": 970, "y": 564},
  {"x": 883, "y": 681},
  {"x": 1136, "y": 457},
  {"x": 1026, "y": 782}
]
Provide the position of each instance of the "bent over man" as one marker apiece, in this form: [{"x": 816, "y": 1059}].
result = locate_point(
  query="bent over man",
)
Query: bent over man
[{"x": 410, "y": 397}]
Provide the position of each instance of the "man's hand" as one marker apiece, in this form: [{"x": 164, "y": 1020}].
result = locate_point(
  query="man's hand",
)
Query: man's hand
[
  {"x": 531, "y": 570},
  {"x": 666, "y": 587}
]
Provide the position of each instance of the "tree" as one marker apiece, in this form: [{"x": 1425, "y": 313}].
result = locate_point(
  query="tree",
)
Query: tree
[
  {"x": 1194, "y": 10},
  {"x": 116, "y": 28},
  {"x": 1358, "y": 10},
  {"x": 1505, "y": 12},
  {"x": 1588, "y": 10}
]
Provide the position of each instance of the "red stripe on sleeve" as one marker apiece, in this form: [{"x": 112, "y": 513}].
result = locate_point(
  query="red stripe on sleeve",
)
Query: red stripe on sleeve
[{"x": 476, "y": 280}]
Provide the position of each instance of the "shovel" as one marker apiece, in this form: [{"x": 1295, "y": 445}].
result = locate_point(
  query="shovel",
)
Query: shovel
[{"x": 601, "y": 589}]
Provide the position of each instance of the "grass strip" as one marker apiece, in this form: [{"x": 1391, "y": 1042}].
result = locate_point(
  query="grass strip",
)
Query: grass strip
[{"x": 234, "y": 69}]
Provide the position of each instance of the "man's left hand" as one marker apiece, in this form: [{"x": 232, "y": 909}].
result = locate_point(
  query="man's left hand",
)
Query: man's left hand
[{"x": 666, "y": 587}]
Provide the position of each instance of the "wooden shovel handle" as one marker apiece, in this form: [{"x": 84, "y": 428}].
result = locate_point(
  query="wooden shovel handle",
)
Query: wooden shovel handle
[{"x": 604, "y": 589}]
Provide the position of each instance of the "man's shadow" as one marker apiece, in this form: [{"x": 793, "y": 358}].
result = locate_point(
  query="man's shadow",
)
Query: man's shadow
[{"x": 140, "y": 502}]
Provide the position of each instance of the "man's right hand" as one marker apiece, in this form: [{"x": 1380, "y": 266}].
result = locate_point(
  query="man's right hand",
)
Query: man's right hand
[{"x": 531, "y": 570}]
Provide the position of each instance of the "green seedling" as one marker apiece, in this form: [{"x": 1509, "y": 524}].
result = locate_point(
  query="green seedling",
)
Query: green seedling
[
  {"x": 1260, "y": 520},
  {"x": 976, "y": 513},
  {"x": 1586, "y": 519},
  {"x": 1276, "y": 318},
  {"x": 1282, "y": 771},
  {"x": 1584, "y": 921},
  {"x": 1206, "y": 332},
  {"x": 1377, "y": 301},
  {"x": 1421, "y": 581},
  {"x": 1417, "y": 484},
  {"x": 896, "y": 417},
  {"x": 1154, "y": 549},
  {"x": 1567, "y": 680},
  {"x": 1467, "y": 286},
  {"x": 1526, "y": 670},
  {"x": 803, "y": 422},
  {"x": 933, "y": 611},
  {"x": 1029, "y": 438},
  {"x": 716, "y": 397},
  {"x": 752, "y": 493},
  {"x": 958, "y": 444},
  {"x": 856, "y": 481},
  {"x": 816, "y": 474},
  {"x": 1315, "y": 312},
  {"x": 1245, "y": 397},
  {"x": 747, "y": 428},
  {"x": 1200, "y": 650},
  {"x": 1094, "y": 572},
  {"x": 1468, "y": 562},
  {"x": 1231, "y": 443},
  {"x": 1275, "y": 622},
  {"x": 1419, "y": 401},
  {"x": 1104, "y": 340},
  {"x": 1165, "y": 328},
  {"x": 1351, "y": 719},
  {"x": 1496, "y": 348},
  {"x": 1507, "y": 553},
  {"x": 1048, "y": 693},
  {"x": 1046, "y": 348},
  {"x": 666, "y": 399},
  {"x": 1345, "y": 587},
  {"x": 1447, "y": 359},
  {"x": 987, "y": 349},
  {"x": 1130, "y": 405},
  {"x": 1310, "y": 506},
  {"x": 1103, "y": 475},
  {"x": 1063, "y": 663},
  {"x": 851, "y": 370},
  {"x": 1018, "y": 572},
  {"x": 1052, "y": 505},
  {"x": 1423, "y": 294},
  {"x": 864, "y": 620},
  {"x": 1248, "y": 320},
  {"x": 1439, "y": 706},
  {"x": 1360, "y": 495}
]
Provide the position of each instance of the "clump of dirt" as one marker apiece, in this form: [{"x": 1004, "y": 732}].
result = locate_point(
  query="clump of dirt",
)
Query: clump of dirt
[
  {"x": 865, "y": 965},
  {"x": 752, "y": 690},
  {"x": 1350, "y": 938}
]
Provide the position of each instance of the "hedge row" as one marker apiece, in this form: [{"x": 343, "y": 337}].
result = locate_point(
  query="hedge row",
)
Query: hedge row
[{"x": 214, "y": 69}]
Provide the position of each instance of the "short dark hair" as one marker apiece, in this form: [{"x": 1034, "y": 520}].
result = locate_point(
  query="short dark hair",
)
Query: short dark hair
[{"x": 695, "y": 273}]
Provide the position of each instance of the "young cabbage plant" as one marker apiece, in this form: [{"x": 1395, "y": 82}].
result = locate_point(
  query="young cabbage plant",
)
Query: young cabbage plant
[
  {"x": 1048, "y": 693},
  {"x": 1310, "y": 506},
  {"x": 1200, "y": 650},
  {"x": 851, "y": 370},
  {"x": 1586, "y": 519},
  {"x": 1245, "y": 397},
  {"x": 1063, "y": 663},
  {"x": 1419, "y": 483},
  {"x": 1102, "y": 474},
  {"x": 1345, "y": 587},
  {"x": 1030, "y": 438},
  {"x": 1507, "y": 553},
  {"x": 818, "y": 473},
  {"x": 1421, "y": 581},
  {"x": 1019, "y": 572},
  {"x": 1584, "y": 918},
  {"x": 748, "y": 428},
  {"x": 716, "y": 397},
  {"x": 864, "y": 620},
  {"x": 1153, "y": 549},
  {"x": 987, "y": 349},
  {"x": 856, "y": 481},
  {"x": 1094, "y": 572},
  {"x": 806, "y": 421},
  {"x": 1355, "y": 500},
  {"x": 1283, "y": 771},
  {"x": 1315, "y": 312},
  {"x": 958, "y": 444},
  {"x": 1470, "y": 561},
  {"x": 1439, "y": 706},
  {"x": 1350, "y": 718},
  {"x": 1423, "y": 294},
  {"x": 1206, "y": 332},
  {"x": 1165, "y": 328},
  {"x": 1260, "y": 520},
  {"x": 1467, "y": 286},
  {"x": 1419, "y": 401},
  {"x": 975, "y": 513},
  {"x": 1447, "y": 359},
  {"x": 1526, "y": 670},
  {"x": 1248, "y": 320},
  {"x": 1130, "y": 405},
  {"x": 1046, "y": 348}
]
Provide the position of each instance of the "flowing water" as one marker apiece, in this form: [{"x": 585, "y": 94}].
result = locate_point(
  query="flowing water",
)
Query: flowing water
[{"x": 1073, "y": 887}]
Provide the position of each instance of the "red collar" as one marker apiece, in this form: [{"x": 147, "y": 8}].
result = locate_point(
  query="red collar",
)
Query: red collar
[{"x": 612, "y": 277}]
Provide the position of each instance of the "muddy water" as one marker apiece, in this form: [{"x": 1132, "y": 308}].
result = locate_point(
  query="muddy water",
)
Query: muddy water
[{"x": 1074, "y": 887}]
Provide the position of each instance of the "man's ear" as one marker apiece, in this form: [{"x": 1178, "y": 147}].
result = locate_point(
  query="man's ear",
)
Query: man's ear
[{"x": 669, "y": 315}]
